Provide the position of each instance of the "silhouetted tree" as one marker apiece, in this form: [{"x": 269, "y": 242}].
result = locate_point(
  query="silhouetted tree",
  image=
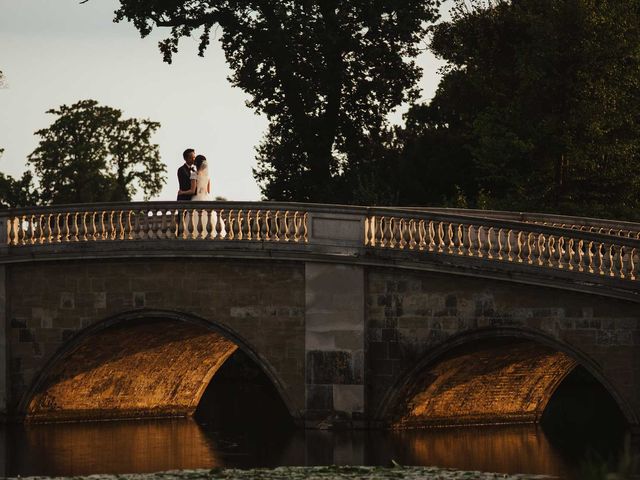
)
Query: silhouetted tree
[
  {"x": 91, "y": 154},
  {"x": 324, "y": 72},
  {"x": 539, "y": 108},
  {"x": 16, "y": 193}
]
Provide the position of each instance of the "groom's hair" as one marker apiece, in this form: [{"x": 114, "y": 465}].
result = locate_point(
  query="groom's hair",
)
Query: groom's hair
[
  {"x": 187, "y": 152},
  {"x": 200, "y": 159}
]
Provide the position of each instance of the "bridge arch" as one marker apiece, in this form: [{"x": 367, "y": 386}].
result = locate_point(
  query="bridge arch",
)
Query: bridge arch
[
  {"x": 56, "y": 391},
  {"x": 454, "y": 369}
]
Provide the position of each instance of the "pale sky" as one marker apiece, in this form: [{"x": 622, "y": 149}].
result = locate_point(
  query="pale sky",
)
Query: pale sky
[{"x": 56, "y": 52}]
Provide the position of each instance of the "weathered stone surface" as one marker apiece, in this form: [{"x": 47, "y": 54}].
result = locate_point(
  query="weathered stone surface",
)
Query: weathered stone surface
[
  {"x": 410, "y": 313},
  {"x": 147, "y": 369},
  {"x": 338, "y": 367},
  {"x": 334, "y": 338},
  {"x": 496, "y": 382},
  {"x": 261, "y": 302}
]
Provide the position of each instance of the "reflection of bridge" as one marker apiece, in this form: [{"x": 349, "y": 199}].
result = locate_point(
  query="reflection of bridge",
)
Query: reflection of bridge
[{"x": 357, "y": 315}]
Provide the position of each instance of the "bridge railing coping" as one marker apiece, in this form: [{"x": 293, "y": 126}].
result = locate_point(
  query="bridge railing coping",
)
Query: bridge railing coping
[
  {"x": 594, "y": 225},
  {"x": 448, "y": 232}
]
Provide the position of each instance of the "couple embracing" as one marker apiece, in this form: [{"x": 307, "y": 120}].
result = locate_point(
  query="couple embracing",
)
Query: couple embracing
[{"x": 193, "y": 177}]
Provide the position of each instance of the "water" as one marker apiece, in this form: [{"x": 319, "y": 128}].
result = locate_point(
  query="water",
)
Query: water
[{"x": 155, "y": 445}]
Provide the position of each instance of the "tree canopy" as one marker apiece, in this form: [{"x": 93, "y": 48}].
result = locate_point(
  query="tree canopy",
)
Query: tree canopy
[
  {"x": 326, "y": 73},
  {"x": 91, "y": 154},
  {"x": 538, "y": 109},
  {"x": 16, "y": 193}
]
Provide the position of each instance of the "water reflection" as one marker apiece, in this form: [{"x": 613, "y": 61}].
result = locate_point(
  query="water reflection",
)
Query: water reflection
[{"x": 155, "y": 445}]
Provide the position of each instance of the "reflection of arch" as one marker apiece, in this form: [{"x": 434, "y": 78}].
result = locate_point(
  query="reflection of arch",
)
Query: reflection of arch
[
  {"x": 556, "y": 354},
  {"x": 177, "y": 353}
]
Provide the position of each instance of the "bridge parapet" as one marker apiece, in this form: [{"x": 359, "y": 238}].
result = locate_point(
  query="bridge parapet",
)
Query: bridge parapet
[
  {"x": 495, "y": 239},
  {"x": 558, "y": 248},
  {"x": 593, "y": 225}
]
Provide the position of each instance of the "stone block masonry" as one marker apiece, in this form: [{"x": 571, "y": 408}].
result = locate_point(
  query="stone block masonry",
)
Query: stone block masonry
[
  {"x": 334, "y": 344},
  {"x": 411, "y": 315},
  {"x": 261, "y": 302}
]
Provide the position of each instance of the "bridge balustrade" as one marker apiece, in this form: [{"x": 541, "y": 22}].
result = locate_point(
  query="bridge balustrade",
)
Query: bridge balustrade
[
  {"x": 506, "y": 241},
  {"x": 595, "y": 252},
  {"x": 151, "y": 222},
  {"x": 592, "y": 225}
]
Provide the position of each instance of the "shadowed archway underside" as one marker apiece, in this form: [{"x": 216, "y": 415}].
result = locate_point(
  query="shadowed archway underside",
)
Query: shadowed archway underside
[
  {"x": 155, "y": 368},
  {"x": 490, "y": 383}
]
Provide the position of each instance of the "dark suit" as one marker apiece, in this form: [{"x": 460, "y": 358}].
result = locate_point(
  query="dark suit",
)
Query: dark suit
[{"x": 184, "y": 180}]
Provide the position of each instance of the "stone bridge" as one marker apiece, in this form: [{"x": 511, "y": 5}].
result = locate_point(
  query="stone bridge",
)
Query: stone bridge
[{"x": 358, "y": 316}]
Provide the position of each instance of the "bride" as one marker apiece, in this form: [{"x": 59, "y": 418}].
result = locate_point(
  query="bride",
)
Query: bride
[{"x": 200, "y": 181}]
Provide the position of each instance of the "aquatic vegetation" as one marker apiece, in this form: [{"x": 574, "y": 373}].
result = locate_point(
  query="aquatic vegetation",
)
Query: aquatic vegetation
[{"x": 313, "y": 473}]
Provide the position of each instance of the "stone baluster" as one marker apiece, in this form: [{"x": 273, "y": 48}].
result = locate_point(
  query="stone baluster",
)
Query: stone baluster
[
  {"x": 422, "y": 235},
  {"x": 384, "y": 229},
  {"x": 246, "y": 227},
  {"x": 276, "y": 226},
  {"x": 550, "y": 248},
  {"x": 95, "y": 234},
  {"x": 530, "y": 243},
  {"x": 305, "y": 228},
  {"x": 65, "y": 227},
  {"x": 267, "y": 222},
  {"x": 480, "y": 245},
  {"x": 620, "y": 262},
  {"x": 161, "y": 232},
  {"x": 200, "y": 215},
  {"x": 401, "y": 233},
  {"x": 440, "y": 238},
  {"x": 413, "y": 234},
  {"x": 210, "y": 224},
  {"x": 470, "y": 236},
  {"x": 287, "y": 225},
  {"x": 298, "y": 221},
  {"x": 46, "y": 228},
  {"x": 580, "y": 252},
  {"x": 561, "y": 252},
  {"x": 121, "y": 225},
  {"x": 459, "y": 239},
  {"x": 508, "y": 241},
  {"x": 450, "y": 239},
  {"x": 104, "y": 229},
  {"x": 589, "y": 251},
  {"x": 520, "y": 245},
  {"x": 540, "y": 247},
  {"x": 432, "y": 236},
  {"x": 490, "y": 234},
  {"x": 257, "y": 225},
  {"x": 134, "y": 224},
  {"x": 611, "y": 253},
  {"x": 231, "y": 231},
  {"x": 370, "y": 229}
]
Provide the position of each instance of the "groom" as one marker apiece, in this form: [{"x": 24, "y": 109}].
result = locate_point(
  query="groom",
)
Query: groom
[{"x": 184, "y": 172}]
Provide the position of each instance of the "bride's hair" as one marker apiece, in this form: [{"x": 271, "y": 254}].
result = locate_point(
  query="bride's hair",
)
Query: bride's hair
[{"x": 200, "y": 162}]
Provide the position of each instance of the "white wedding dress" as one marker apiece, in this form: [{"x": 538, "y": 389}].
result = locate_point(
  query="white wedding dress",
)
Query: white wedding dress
[
  {"x": 202, "y": 181},
  {"x": 196, "y": 221}
]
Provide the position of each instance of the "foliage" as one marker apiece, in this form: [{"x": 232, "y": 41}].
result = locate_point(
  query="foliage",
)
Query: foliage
[
  {"x": 91, "y": 154},
  {"x": 325, "y": 74},
  {"x": 16, "y": 193},
  {"x": 538, "y": 109}
]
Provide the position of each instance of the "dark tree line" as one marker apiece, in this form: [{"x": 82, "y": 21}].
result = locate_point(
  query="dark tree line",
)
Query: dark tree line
[{"x": 538, "y": 107}]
